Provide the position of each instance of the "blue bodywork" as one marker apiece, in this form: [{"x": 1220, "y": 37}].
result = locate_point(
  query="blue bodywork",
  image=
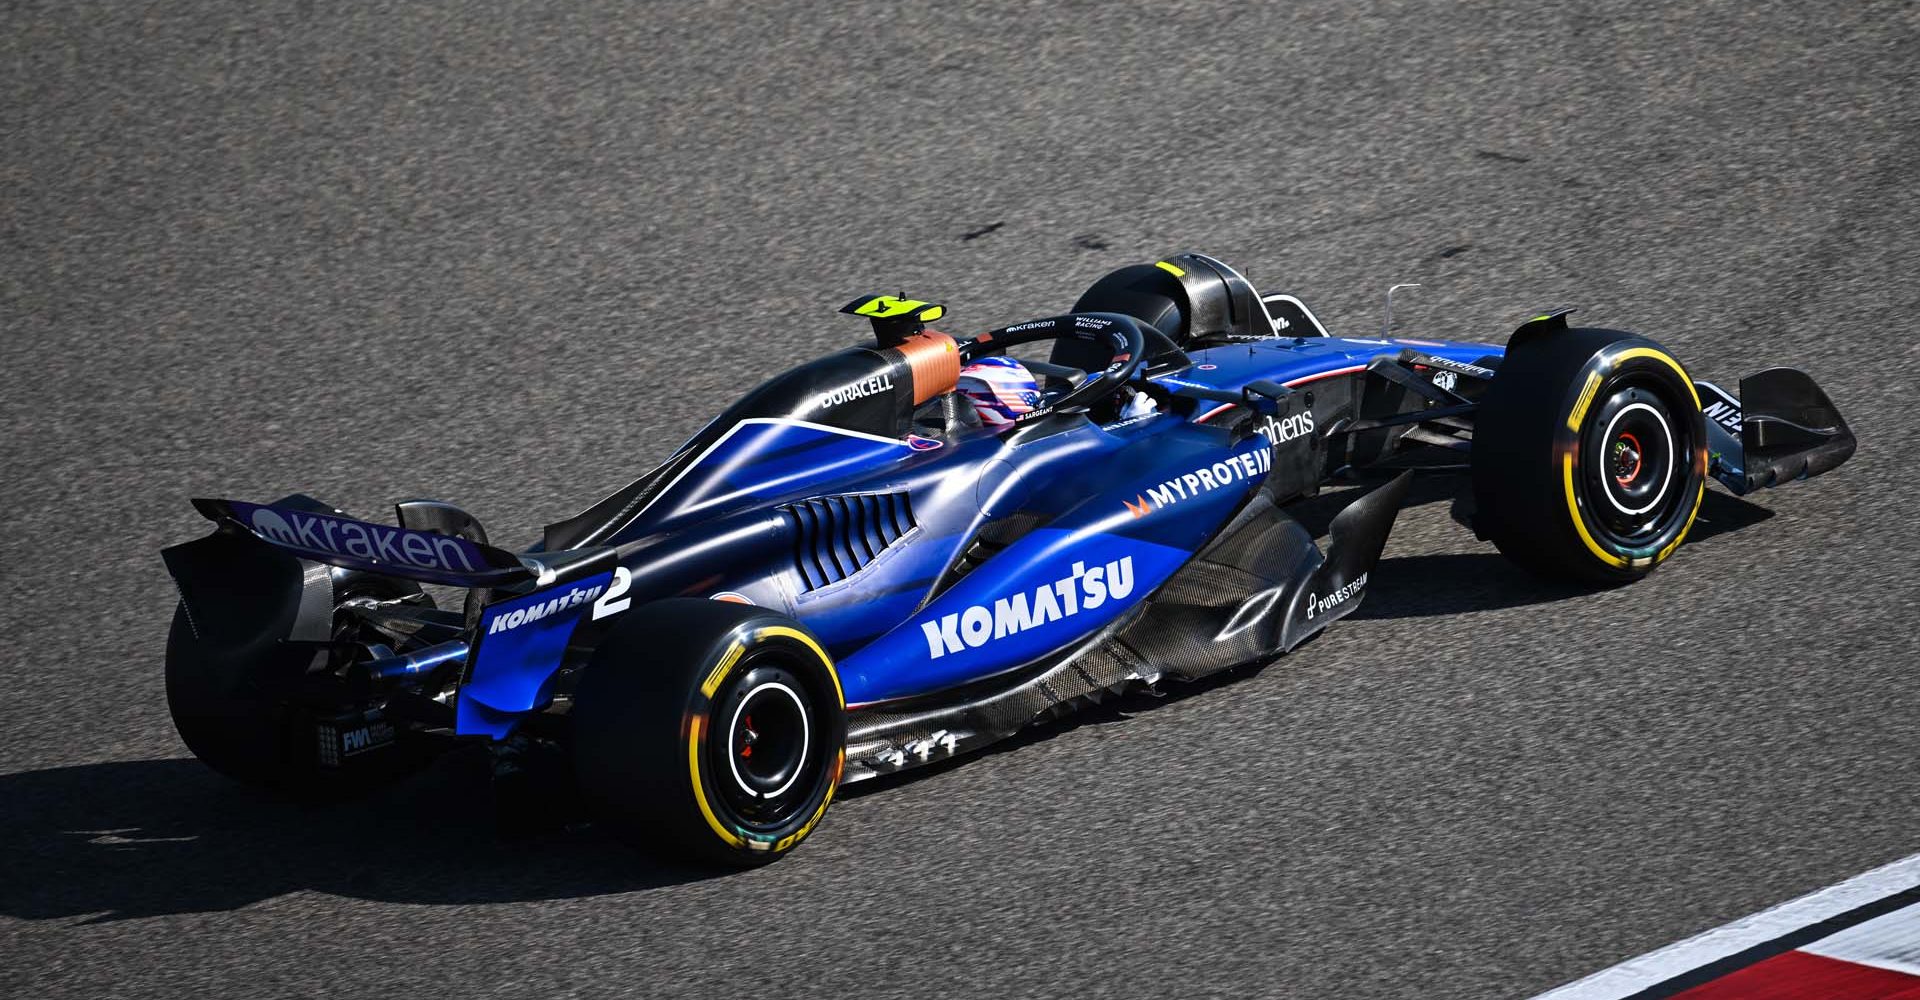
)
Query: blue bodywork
[
  {"x": 919, "y": 604},
  {"x": 1109, "y": 540}
]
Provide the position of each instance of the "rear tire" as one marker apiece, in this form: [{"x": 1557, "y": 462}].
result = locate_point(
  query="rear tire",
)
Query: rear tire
[
  {"x": 228, "y": 694},
  {"x": 1589, "y": 456},
  {"x": 220, "y": 705},
  {"x": 711, "y": 731}
]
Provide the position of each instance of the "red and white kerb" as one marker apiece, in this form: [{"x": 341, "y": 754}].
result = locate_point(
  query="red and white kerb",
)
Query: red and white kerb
[{"x": 1859, "y": 940}]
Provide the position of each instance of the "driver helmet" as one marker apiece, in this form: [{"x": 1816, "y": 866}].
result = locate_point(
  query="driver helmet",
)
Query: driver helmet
[{"x": 1000, "y": 389}]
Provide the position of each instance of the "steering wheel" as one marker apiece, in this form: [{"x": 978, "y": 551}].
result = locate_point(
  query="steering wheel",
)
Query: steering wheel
[{"x": 1126, "y": 344}]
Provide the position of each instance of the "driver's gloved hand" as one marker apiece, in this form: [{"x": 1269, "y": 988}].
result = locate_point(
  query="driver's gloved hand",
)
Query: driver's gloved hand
[{"x": 1139, "y": 404}]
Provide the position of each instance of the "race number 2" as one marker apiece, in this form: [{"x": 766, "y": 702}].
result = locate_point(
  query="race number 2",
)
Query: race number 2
[{"x": 614, "y": 600}]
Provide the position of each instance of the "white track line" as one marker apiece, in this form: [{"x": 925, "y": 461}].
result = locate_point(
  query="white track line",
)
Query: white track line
[
  {"x": 1890, "y": 941},
  {"x": 1656, "y": 967}
]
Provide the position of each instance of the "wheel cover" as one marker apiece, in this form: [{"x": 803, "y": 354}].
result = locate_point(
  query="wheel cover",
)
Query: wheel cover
[
  {"x": 1635, "y": 452},
  {"x": 768, "y": 737},
  {"x": 1635, "y": 468},
  {"x": 765, "y": 743}
]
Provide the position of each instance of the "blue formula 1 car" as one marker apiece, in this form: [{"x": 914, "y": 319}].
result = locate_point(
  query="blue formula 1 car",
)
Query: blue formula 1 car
[{"x": 912, "y": 548}]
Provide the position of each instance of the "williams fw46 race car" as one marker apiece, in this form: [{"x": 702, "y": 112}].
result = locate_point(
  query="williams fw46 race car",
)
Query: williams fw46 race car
[{"x": 909, "y": 549}]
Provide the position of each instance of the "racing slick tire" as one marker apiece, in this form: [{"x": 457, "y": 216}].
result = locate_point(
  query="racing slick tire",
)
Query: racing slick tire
[
  {"x": 1143, "y": 292},
  {"x": 1589, "y": 456},
  {"x": 228, "y": 688},
  {"x": 710, "y": 731}
]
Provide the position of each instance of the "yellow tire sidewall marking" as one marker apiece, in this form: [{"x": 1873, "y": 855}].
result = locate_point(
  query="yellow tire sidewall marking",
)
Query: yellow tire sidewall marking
[
  {"x": 1580, "y": 523},
  {"x": 712, "y": 683},
  {"x": 699, "y": 792},
  {"x": 806, "y": 640},
  {"x": 1586, "y": 399},
  {"x": 696, "y": 726},
  {"x": 1664, "y": 358},
  {"x": 1579, "y": 414},
  {"x": 1698, "y": 496},
  {"x": 796, "y": 836}
]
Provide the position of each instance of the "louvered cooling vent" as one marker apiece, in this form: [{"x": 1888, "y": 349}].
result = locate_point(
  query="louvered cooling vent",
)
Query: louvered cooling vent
[{"x": 837, "y": 536}]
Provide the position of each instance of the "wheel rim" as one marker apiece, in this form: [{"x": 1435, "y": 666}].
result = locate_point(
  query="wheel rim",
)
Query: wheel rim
[
  {"x": 1626, "y": 459},
  {"x": 1639, "y": 446},
  {"x": 1636, "y": 454},
  {"x": 764, "y": 745},
  {"x": 768, "y": 739}
]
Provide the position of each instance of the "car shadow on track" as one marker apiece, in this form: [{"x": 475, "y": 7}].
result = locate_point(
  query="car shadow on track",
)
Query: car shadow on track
[
  {"x": 113, "y": 841},
  {"x": 1401, "y": 587},
  {"x": 1457, "y": 583},
  {"x": 1721, "y": 513},
  {"x": 147, "y": 838}
]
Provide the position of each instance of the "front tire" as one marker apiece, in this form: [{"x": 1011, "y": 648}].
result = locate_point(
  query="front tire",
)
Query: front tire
[
  {"x": 710, "y": 730},
  {"x": 1144, "y": 292},
  {"x": 1589, "y": 456}
]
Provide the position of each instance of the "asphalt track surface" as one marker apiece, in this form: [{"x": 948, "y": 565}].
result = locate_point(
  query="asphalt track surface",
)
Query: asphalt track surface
[{"x": 511, "y": 255}]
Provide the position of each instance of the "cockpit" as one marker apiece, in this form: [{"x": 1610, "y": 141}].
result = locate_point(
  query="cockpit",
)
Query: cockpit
[{"x": 917, "y": 386}]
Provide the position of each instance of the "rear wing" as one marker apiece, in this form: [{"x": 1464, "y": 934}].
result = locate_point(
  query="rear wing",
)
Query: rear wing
[{"x": 313, "y": 531}]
